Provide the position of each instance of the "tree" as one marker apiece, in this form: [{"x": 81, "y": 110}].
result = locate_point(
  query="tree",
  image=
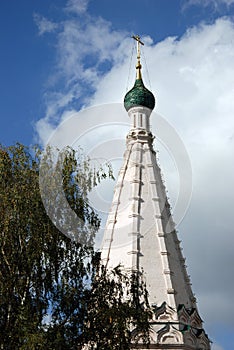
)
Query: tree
[
  {"x": 53, "y": 292},
  {"x": 117, "y": 306}
]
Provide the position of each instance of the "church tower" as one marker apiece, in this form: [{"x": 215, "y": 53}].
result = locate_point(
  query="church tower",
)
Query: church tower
[{"x": 140, "y": 233}]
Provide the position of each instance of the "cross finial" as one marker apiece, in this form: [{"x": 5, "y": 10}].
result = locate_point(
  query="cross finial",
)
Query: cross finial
[
  {"x": 138, "y": 66},
  {"x": 139, "y": 42}
]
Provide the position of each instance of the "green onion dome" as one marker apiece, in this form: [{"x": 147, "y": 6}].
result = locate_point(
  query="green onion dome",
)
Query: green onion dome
[{"x": 139, "y": 95}]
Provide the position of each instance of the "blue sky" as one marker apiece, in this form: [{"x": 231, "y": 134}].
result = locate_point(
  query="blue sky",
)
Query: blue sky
[{"x": 60, "y": 56}]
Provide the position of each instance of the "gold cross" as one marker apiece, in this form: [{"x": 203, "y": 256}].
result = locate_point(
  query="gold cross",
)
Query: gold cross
[{"x": 138, "y": 39}]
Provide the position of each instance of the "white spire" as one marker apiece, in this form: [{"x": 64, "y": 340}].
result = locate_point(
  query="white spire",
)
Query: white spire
[{"x": 140, "y": 236}]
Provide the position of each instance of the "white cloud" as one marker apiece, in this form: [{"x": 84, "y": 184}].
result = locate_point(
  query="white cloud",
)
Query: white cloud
[
  {"x": 84, "y": 49},
  {"x": 77, "y": 6},
  {"x": 44, "y": 25},
  {"x": 217, "y": 347},
  {"x": 192, "y": 78},
  {"x": 205, "y": 3}
]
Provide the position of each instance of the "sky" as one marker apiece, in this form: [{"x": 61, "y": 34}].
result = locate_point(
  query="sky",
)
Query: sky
[{"x": 62, "y": 58}]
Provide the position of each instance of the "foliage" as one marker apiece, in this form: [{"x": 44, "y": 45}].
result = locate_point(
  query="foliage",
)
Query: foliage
[
  {"x": 118, "y": 306},
  {"x": 53, "y": 292}
]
